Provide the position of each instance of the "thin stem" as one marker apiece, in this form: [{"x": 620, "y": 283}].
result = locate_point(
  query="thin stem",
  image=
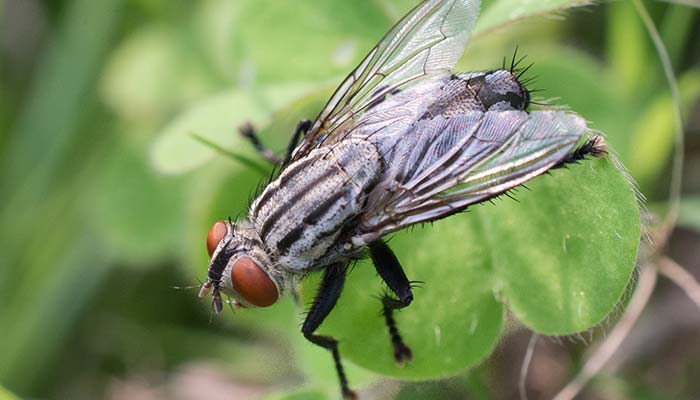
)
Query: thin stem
[
  {"x": 681, "y": 277},
  {"x": 526, "y": 365},
  {"x": 637, "y": 304},
  {"x": 677, "y": 168},
  {"x": 238, "y": 157}
]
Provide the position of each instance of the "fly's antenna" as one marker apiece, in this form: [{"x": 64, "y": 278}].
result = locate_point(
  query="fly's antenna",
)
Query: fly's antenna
[{"x": 189, "y": 287}]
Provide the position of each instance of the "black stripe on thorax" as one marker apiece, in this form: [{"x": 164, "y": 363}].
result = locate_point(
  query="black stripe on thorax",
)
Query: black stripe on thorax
[
  {"x": 284, "y": 208},
  {"x": 323, "y": 208},
  {"x": 286, "y": 175},
  {"x": 289, "y": 239},
  {"x": 284, "y": 245}
]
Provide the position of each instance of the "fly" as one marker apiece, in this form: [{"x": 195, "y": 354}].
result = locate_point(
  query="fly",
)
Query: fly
[{"x": 402, "y": 141}]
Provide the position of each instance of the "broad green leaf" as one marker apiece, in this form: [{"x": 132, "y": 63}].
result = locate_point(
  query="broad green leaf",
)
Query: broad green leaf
[
  {"x": 497, "y": 13},
  {"x": 565, "y": 251},
  {"x": 307, "y": 40},
  {"x": 216, "y": 119},
  {"x": 454, "y": 321},
  {"x": 560, "y": 257}
]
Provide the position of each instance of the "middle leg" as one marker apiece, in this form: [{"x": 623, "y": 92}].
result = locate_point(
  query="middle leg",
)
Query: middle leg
[
  {"x": 390, "y": 270},
  {"x": 326, "y": 298}
]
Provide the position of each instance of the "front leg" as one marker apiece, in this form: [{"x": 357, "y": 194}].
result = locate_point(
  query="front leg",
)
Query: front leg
[
  {"x": 390, "y": 270},
  {"x": 326, "y": 298},
  {"x": 248, "y": 132}
]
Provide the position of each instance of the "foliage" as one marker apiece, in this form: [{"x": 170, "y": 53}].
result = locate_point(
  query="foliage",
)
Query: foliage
[{"x": 107, "y": 194}]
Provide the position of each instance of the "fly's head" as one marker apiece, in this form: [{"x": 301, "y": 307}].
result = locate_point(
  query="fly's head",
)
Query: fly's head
[
  {"x": 500, "y": 90},
  {"x": 240, "y": 268}
]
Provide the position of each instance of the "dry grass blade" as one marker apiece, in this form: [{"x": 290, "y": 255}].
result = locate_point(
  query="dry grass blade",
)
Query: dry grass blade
[
  {"x": 522, "y": 389},
  {"x": 681, "y": 277}
]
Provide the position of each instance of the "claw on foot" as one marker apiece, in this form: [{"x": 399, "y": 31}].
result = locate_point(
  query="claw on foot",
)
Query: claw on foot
[{"x": 402, "y": 355}]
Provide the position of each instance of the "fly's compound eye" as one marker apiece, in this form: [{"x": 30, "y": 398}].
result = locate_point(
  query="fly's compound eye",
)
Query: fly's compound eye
[
  {"x": 252, "y": 283},
  {"x": 216, "y": 233}
]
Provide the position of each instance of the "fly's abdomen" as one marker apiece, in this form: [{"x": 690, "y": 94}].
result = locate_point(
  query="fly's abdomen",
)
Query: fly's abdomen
[{"x": 300, "y": 215}]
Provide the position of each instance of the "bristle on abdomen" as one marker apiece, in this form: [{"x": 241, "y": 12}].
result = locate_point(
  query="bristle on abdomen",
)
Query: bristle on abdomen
[{"x": 595, "y": 146}]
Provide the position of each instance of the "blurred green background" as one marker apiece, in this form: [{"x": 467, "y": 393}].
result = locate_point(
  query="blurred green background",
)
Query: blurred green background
[{"x": 106, "y": 198}]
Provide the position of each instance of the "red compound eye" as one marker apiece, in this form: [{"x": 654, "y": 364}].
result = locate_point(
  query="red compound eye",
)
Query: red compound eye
[
  {"x": 216, "y": 233},
  {"x": 252, "y": 283}
]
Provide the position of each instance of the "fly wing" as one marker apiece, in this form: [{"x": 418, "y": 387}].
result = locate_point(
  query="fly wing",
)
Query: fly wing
[
  {"x": 443, "y": 165},
  {"x": 428, "y": 41}
]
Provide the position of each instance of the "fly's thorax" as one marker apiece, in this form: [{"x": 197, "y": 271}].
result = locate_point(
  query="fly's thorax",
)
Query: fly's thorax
[
  {"x": 478, "y": 91},
  {"x": 498, "y": 90},
  {"x": 303, "y": 215},
  {"x": 241, "y": 268}
]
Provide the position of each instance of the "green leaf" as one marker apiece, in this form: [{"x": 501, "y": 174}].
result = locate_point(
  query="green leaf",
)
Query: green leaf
[
  {"x": 327, "y": 38},
  {"x": 497, "y": 13},
  {"x": 216, "y": 119},
  {"x": 565, "y": 252},
  {"x": 453, "y": 323},
  {"x": 7, "y": 395},
  {"x": 560, "y": 257}
]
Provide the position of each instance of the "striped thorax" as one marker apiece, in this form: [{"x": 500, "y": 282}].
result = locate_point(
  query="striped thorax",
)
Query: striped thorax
[{"x": 302, "y": 220}]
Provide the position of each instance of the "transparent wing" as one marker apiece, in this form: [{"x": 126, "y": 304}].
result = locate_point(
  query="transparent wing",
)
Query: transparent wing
[
  {"x": 444, "y": 165},
  {"x": 429, "y": 40}
]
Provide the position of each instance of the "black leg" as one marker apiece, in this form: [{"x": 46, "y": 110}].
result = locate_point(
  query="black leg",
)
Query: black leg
[
  {"x": 595, "y": 146},
  {"x": 248, "y": 132},
  {"x": 326, "y": 297},
  {"x": 390, "y": 270},
  {"x": 302, "y": 127}
]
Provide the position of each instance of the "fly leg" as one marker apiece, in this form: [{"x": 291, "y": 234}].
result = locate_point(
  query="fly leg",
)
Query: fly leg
[
  {"x": 248, "y": 132},
  {"x": 390, "y": 270},
  {"x": 595, "y": 146},
  {"x": 326, "y": 298},
  {"x": 302, "y": 127}
]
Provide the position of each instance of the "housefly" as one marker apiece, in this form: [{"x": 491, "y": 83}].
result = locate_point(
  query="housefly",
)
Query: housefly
[{"x": 402, "y": 141}]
